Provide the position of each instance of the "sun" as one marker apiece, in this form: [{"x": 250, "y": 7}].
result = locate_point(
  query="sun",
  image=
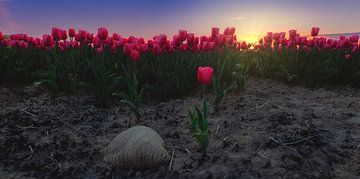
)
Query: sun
[{"x": 250, "y": 38}]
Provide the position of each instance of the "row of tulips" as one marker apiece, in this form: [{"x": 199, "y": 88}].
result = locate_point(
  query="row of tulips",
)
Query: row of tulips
[
  {"x": 278, "y": 41},
  {"x": 69, "y": 60}
]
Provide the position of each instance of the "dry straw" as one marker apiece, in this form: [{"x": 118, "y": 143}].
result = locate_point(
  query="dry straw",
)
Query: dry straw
[{"x": 138, "y": 147}]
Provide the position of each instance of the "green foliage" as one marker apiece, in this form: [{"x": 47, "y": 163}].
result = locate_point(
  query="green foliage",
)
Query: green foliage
[
  {"x": 173, "y": 75},
  {"x": 132, "y": 96},
  {"x": 199, "y": 126}
]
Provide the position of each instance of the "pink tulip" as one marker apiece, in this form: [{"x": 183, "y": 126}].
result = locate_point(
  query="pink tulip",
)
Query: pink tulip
[
  {"x": 243, "y": 45},
  {"x": 102, "y": 33},
  {"x": 156, "y": 50},
  {"x": 162, "y": 40},
  {"x": 276, "y": 36},
  {"x": 48, "y": 40},
  {"x": 56, "y": 34},
  {"x": 81, "y": 36},
  {"x": 1, "y": 36},
  {"x": 72, "y": 32},
  {"x": 205, "y": 75},
  {"x": 97, "y": 42},
  {"x": 214, "y": 32},
  {"x": 63, "y": 35},
  {"x": 354, "y": 38},
  {"x": 116, "y": 36},
  {"x": 315, "y": 31},
  {"x": 190, "y": 39},
  {"x": 182, "y": 35},
  {"x": 292, "y": 34},
  {"x": 134, "y": 56},
  {"x": 128, "y": 48},
  {"x": 150, "y": 43}
]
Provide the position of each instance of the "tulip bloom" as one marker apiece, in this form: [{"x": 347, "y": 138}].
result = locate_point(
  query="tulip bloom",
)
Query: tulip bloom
[
  {"x": 56, "y": 34},
  {"x": 214, "y": 32},
  {"x": 48, "y": 40},
  {"x": 116, "y": 36},
  {"x": 102, "y": 33},
  {"x": 97, "y": 42},
  {"x": 72, "y": 32},
  {"x": 63, "y": 35},
  {"x": 243, "y": 45},
  {"x": 1, "y": 36},
  {"x": 182, "y": 35},
  {"x": 292, "y": 34},
  {"x": 315, "y": 31},
  {"x": 205, "y": 75},
  {"x": 134, "y": 55}
]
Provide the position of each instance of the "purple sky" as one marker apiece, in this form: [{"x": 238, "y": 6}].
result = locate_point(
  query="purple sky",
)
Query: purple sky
[{"x": 149, "y": 17}]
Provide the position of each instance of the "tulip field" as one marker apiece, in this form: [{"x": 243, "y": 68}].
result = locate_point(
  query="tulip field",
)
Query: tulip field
[
  {"x": 286, "y": 106},
  {"x": 67, "y": 61}
]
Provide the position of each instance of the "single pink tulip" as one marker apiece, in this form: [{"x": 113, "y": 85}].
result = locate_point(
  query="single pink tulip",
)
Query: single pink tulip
[
  {"x": 243, "y": 45},
  {"x": 214, "y": 32},
  {"x": 1, "y": 36},
  {"x": 72, "y": 32},
  {"x": 102, "y": 33},
  {"x": 56, "y": 34},
  {"x": 134, "y": 56},
  {"x": 182, "y": 35},
  {"x": 205, "y": 75},
  {"x": 315, "y": 31},
  {"x": 292, "y": 34},
  {"x": 63, "y": 35}
]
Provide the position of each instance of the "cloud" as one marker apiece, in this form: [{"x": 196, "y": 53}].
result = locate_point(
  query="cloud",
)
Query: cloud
[{"x": 237, "y": 18}]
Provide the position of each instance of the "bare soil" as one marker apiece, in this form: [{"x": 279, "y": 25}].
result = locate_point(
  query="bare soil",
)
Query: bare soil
[{"x": 269, "y": 131}]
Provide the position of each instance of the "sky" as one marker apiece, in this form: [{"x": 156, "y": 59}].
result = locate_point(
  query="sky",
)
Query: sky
[{"x": 146, "y": 18}]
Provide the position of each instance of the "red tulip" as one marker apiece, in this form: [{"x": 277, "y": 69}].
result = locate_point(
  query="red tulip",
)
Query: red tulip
[
  {"x": 72, "y": 32},
  {"x": 315, "y": 31},
  {"x": 354, "y": 38},
  {"x": 182, "y": 35},
  {"x": 81, "y": 36},
  {"x": 276, "y": 36},
  {"x": 63, "y": 35},
  {"x": 128, "y": 48},
  {"x": 292, "y": 34},
  {"x": 48, "y": 40},
  {"x": 162, "y": 40},
  {"x": 214, "y": 32},
  {"x": 134, "y": 56},
  {"x": 116, "y": 36},
  {"x": 227, "y": 31},
  {"x": 243, "y": 45},
  {"x": 102, "y": 33},
  {"x": 190, "y": 39},
  {"x": 150, "y": 43},
  {"x": 183, "y": 47},
  {"x": 1, "y": 36},
  {"x": 56, "y": 34},
  {"x": 157, "y": 50},
  {"x": 205, "y": 75},
  {"x": 97, "y": 42}
]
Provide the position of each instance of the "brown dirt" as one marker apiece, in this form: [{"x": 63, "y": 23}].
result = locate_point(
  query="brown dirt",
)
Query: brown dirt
[{"x": 269, "y": 131}]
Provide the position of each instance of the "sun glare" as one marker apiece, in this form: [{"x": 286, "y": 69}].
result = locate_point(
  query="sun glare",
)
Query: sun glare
[{"x": 251, "y": 38}]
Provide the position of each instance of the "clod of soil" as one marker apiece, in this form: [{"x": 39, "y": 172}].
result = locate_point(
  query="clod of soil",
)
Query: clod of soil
[{"x": 269, "y": 131}]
